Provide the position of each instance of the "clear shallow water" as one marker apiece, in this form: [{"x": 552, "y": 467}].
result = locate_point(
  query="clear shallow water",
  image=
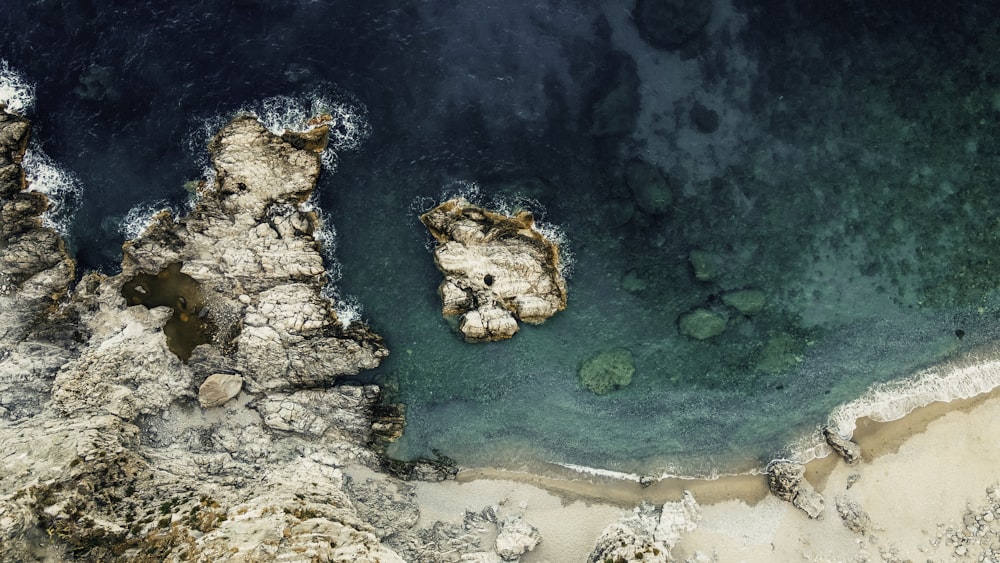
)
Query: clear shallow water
[{"x": 849, "y": 180}]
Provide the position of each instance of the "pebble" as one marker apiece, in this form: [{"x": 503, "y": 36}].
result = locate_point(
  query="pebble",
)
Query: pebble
[{"x": 960, "y": 550}]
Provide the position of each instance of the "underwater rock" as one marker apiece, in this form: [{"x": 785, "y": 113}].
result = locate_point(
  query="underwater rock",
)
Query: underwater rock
[
  {"x": 746, "y": 301},
  {"x": 608, "y": 371},
  {"x": 786, "y": 480},
  {"x": 704, "y": 265},
  {"x": 705, "y": 120},
  {"x": 498, "y": 269},
  {"x": 669, "y": 24},
  {"x": 218, "y": 388},
  {"x": 515, "y": 537},
  {"x": 649, "y": 188},
  {"x": 615, "y": 106},
  {"x": 847, "y": 449},
  {"x": 701, "y": 324}
]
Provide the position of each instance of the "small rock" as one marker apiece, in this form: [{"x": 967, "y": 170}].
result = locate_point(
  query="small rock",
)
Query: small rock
[{"x": 218, "y": 388}]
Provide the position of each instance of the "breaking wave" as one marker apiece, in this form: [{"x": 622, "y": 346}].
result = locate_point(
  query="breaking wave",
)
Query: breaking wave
[
  {"x": 15, "y": 91},
  {"x": 505, "y": 205},
  {"x": 962, "y": 378},
  {"x": 62, "y": 188},
  {"x": 137, "y": 220}
]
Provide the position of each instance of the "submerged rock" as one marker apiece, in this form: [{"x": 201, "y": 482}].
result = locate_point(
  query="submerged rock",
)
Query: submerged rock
[
  {"x": 498, "y": 269},
  {"x": 669, "y": 24},
  {"x": 701, "y": 324},
  {"x": 649, "y": 187},
  {"x": 608, "y": 371}
]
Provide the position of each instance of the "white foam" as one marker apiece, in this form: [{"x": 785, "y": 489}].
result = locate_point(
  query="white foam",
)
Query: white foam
[
  {"x": 348, "y": 119},
  {"x": 15, "y": 91},
  {"x": 62, "y": 188},
  {"x": 138, "y": 219},
  {"x": 963, "y": 378}
]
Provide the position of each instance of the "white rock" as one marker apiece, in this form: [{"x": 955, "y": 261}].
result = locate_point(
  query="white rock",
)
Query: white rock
[{"x": 218, "y": 389}]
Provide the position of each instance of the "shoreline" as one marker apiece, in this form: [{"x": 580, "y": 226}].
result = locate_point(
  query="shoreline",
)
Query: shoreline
[{"x": 901, "y": 481}]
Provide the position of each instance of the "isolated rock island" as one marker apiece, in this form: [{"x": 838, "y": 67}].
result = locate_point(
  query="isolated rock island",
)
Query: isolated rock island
[{"x": 498, "y": 269}]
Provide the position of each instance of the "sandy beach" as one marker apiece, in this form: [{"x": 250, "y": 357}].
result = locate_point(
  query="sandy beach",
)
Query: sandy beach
[{"x": 923, "y": 482}]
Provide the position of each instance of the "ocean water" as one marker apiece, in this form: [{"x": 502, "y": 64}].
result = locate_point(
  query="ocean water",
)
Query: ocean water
[{"x": 840, "y": 161}]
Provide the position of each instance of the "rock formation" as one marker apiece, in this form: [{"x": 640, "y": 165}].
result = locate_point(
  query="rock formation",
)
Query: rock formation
[
  {"x": 498, "y": 269},
  {"x": 648, "y": 534},
  {"x": 786, "y": 479},
  {"x": 190, "y": 407},
  {"x": 847, "y": 449}
]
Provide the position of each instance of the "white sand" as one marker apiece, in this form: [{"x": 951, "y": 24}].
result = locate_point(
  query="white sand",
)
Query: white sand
[{"x": 918, "y": 477}]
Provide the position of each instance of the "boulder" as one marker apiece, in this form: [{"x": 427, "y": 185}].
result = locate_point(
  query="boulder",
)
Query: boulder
[
  {"x": 218, "y": 388},
  {"x": 746, "y": 301},
  {"x": 515, "y": 537},
  {"x": 847, "y": 449},
  {"x": 786, "y": 480}
]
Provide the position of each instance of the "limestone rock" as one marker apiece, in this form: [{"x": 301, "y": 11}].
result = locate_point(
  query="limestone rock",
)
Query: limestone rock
[
  {"x": 847, "y": 449},
  {"x": 343, "y": 412},
  {"x": 701, "y": 324},
  {"x": 853, "y": 516},
  {"x": 608, "y": 371},
  {"x": 218, "y": 388},
  {"x": 109, "y": 459},
  {"x": 669, "y": 24},
  {"x": 786, "y": 480},
  {"x": 676, "y": 518},
  {"x": 515, "y": 538},
  {"x": 633, "y": 538},
  {"x": 649, "y": 188},
  {"x": 498, "y": 269}
]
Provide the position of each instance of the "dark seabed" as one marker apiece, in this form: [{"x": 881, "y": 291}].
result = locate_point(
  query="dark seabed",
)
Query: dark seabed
[{"x": 839, "y": 159}]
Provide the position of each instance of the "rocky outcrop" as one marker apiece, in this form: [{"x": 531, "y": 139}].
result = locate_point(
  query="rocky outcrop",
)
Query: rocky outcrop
[
  {"x": 189, "y": 408},
  {"x": 498, "y": 269},
  {"x": 847, "y": 449},
  {"x": 786, "y": 479},
  {"x": 35, "y": 275},
  {"x": 648, "y": 534}
]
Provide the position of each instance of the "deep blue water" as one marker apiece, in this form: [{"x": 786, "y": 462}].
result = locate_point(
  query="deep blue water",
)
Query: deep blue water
[{"x": 847, "y": 177}]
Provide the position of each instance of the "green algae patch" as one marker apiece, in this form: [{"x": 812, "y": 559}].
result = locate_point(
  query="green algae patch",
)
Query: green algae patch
[
  {"x": 608, "y": 371},
  {"x": 189, "y": 326}
]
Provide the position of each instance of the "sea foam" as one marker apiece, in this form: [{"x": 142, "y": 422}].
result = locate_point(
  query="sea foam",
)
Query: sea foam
[
  {"x": 62, "y": 188},
  {"x": 16, "y": 92},
  {"x": 965, "y": 377},
  {"x": 138, "y": 219}
]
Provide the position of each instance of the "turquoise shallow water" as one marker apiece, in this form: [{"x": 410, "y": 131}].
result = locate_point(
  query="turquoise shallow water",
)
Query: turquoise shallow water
[{"x": 841, "y": 161}]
